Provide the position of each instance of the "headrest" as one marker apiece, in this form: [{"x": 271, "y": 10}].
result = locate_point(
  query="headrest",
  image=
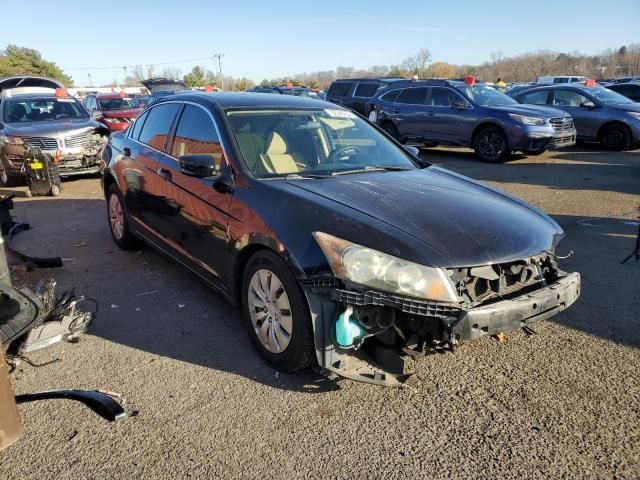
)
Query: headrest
[{"x": 277, "y": 145}]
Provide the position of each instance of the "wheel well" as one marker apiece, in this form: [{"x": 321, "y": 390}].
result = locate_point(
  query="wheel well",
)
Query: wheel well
[
  {"x": 483, "y": 126},
  {"x": 610, "y": 124},
  {"x": 108, "y": 180},
  {"x": 238, "y": 268}
]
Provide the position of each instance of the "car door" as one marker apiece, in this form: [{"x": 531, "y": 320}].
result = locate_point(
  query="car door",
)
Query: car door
[
  {"x": 445, "y": 119},
  {"x": 408, "y": 112},
  {"x": 139, "y": 165},
  {"x": 361, "y": 95},
  {"x": 193, "y": 218},
  {"x": 577, "y": 105}
]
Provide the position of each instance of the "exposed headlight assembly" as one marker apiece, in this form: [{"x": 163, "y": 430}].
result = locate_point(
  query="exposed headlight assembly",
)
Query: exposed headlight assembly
[
  {"x": 527, "y": 120},
  {"x": 635, "y": 115},
  {"x": 365, "y": 266},
  {"x": 11, "y": 140}
]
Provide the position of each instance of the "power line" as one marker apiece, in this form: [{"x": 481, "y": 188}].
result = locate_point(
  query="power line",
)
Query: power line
[{"x": 120, "y": 67}]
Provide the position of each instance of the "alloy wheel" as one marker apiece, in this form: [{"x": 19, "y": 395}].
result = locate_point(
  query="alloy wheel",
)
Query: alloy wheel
[
  {"x": 116, "y": 217},
  {"x": 491, "y": 145},
  {"x": 270, "y": 310}
]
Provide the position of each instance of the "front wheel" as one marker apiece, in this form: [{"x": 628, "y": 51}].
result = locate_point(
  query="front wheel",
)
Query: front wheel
[
  {"x": 7, "y": 179},
  {"x": 616, "y": 137},
  {"x": 491, "y": 146},
  {"x": 276, "y": 313}
]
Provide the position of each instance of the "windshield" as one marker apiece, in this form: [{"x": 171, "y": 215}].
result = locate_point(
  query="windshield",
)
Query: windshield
[
  {"x": 608, "y": 97},
  {"x": 16, "y": 110},
  {"x": 118, "y": 103},
  {"x": 276, "y": 143},
  {"x": 485, "y": 95}
]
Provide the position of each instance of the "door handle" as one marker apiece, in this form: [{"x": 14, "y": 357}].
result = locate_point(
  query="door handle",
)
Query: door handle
[
  {"x": 164, "y": 173},
  {"x": 431, "y": 114}
]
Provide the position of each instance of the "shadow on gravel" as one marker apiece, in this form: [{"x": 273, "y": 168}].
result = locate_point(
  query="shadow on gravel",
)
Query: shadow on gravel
[{"x": 572, "y": 169}]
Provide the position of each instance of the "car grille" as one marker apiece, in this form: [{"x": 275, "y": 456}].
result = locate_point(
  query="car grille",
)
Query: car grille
[
  {"x": 562, "y": 140},
  {"x": 561, "y": 124},
  {"x": 79, "y": 140},
  {"x": 44, "y": 143},
  {"x": 480, "y": 284}
]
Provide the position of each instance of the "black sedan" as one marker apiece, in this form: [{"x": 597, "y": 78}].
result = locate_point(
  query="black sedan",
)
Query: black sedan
[{"x": 340, "y": 246}]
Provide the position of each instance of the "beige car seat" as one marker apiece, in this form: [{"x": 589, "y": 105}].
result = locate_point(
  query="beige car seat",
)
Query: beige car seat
[{"x": 276, "y": 158}]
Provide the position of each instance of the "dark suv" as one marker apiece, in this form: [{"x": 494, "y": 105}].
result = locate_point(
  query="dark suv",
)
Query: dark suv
[
  {"x": 355, "y": 92},
  {"x": 631, "y": 90},
  {"x": 468, "y": 114}
]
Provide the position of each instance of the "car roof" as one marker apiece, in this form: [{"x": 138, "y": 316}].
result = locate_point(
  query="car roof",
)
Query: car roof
[
  {"x": 373, "y": 79},
  {"x": 27, "y": 96},
  {"x": 109, "y": 95},
  {"x": 227, "y": 100}
]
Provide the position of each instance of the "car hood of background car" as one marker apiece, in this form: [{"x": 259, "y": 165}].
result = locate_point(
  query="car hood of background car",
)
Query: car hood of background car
[
  {"x": 466, "y": 223},
  {"x": 532, "y": 110},
  {"x": 131, "y": 113},
  {"x": 48, "y": 129},
  {"x": 627, "y": 107}
]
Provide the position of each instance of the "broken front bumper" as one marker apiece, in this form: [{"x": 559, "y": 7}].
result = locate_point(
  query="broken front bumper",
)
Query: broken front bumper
[{"x": 507, "y": 315}]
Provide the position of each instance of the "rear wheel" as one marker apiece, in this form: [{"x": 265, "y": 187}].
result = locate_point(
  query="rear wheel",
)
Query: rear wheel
[
  {"x": 118, "y": 221},
  {"x": 276, "y": 313},
  {"x": 615, "y": 137},
  {"x": 490, "y": 145}
]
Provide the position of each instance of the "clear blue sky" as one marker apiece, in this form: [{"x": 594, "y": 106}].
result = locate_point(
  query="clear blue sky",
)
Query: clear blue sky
[{"x": 269, "y": 39}]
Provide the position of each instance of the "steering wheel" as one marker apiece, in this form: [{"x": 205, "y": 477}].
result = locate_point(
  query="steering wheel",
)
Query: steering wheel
[{"x": 341, "y": 153}]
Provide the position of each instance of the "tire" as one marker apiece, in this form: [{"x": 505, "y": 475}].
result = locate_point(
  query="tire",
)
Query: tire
[
  {"x": 391, "y": 129},
  {"x": 491, "y": 146},
  {"x": 8, "y": 180},
  {"x": 269, "y": 292},
  {"x": 55, "y": 190},
  {"x": 615, "y": 137},
  {"x": 118, "y": 220}
]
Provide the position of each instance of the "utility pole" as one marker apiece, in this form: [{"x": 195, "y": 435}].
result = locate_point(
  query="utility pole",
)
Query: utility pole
[
  {"x": 89, "y": 75},
  {"x": 219, "y": 57}
]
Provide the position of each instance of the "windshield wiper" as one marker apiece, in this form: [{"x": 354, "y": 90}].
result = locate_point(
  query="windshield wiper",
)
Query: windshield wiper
[
  {"x": 371, "y": 168},
  {"x": 298, "y": 176}
]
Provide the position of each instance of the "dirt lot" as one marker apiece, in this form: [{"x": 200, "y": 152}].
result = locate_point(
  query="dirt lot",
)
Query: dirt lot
[{"x": 564, "y": 403}]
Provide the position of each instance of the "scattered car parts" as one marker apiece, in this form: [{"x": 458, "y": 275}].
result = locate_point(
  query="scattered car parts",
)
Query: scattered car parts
[{"x": 101, "y": 403}]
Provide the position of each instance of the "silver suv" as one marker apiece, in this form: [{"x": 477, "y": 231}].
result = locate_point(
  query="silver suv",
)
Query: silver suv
[{"x": 38, "y": 112}]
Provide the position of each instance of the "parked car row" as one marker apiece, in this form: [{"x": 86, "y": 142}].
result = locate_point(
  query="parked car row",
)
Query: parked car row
[{"x": 554, "y": 112}]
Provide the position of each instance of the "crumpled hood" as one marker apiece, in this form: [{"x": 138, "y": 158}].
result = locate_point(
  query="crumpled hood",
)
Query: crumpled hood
[
  {"x": 468, "y": 224},
  {"x": 50, "y": 128},
  {"x": 131, "y": 113},
  {"x": 533, "y": 110}
]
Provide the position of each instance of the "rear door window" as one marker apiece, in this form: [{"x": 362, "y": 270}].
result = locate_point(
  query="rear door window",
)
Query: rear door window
[
  {"x": 535, "y": 98},
  {"x": 340, "y": 89},
  {"x": 413, "y": 96},
  {"x": 156, "y": 128},
  {"x": 443, "y": 97},
  {"x": 137, "y": 126},
  {"x": 366, "y": 89},
  {"x": 196, "y": 135}
]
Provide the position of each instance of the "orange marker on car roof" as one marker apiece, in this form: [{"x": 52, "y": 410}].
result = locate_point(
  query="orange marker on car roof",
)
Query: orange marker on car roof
[
  {"x": 469, "y": 80},
  {"x": 589, "y": 82},
  {"x": 61, "y": 92}
]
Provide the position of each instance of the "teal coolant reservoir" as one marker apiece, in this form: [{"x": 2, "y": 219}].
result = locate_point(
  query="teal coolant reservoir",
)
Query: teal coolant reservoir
[{"x": 348, "y": 330}]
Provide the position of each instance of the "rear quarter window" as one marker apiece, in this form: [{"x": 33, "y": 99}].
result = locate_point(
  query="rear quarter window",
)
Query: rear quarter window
[
  {"x": 391, "y": 96},
  {"x": 340, "y": 89},
  {"x": 535, "y": 98}
]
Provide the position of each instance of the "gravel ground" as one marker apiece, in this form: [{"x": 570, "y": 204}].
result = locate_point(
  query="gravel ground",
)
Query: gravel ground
[{"x": 564, "y": 403}]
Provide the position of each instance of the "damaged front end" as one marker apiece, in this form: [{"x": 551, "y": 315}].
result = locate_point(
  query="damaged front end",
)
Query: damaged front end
[
  {"x": 75, "y": 153},
  {"x": 367, "y": 334}
]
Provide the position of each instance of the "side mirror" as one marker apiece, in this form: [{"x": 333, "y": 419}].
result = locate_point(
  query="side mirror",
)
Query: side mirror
[
  {"x": 588, "y": 104},
  {"x": 199, "y": 166},
  {"x": 412, "y": 150}
]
